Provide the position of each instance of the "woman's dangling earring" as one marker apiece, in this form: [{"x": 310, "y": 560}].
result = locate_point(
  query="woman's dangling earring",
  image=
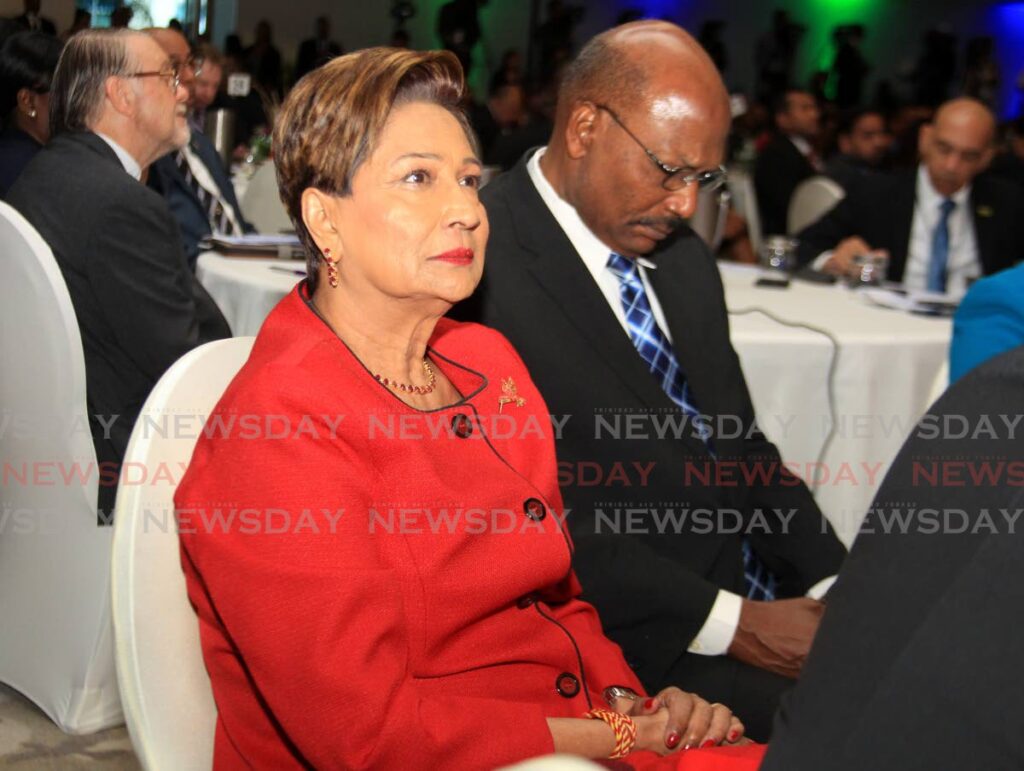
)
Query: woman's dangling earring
[{"x": 332, "y": 269}]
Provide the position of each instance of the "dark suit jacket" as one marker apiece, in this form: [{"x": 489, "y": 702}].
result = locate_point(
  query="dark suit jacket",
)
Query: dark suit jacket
[
  {"x": 138, "y": 305},
  {"x": 779, "y": 169},
  {"x": 166, "y": 178},
  {"x": 653, "y": 591},
  {"x": 917, "y": 662},
  {"x": 16, "y": 149},
  {"x": 881, "y": 211}
]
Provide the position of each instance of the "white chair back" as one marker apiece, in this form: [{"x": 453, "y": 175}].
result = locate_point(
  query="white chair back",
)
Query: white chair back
[
  {"x": 164, "y": 685},
  {"x": 261, "y": 202},
  {"x": 56, "y": 641},
  {"x": 744, "y": 201},
  {"x": 812, "y": 200},
  {"x": 708, "y": 220}
]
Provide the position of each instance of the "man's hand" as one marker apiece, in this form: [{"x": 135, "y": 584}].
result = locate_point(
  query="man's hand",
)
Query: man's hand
[
  {"x": 841, "y": 261},
  {"x": 776, "y": 635}
]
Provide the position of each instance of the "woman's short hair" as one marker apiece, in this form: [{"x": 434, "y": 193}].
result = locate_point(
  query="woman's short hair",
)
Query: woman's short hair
[
  {"x": 89, "y": 58},
  {"x": 333, "y": 118},
  {"x": 27, "y": 60}
]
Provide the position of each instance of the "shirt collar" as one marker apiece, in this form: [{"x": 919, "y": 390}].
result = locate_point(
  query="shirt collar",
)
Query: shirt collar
[
  {"x": 801, "y": 144},
  {"x": 930, "y": 198},
  {"x": 591, "y": 249},
  {"x": 130, "y": 164}
]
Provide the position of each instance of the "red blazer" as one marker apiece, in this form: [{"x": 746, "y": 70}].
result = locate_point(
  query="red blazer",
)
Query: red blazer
[{"x": 379, "y": 587}]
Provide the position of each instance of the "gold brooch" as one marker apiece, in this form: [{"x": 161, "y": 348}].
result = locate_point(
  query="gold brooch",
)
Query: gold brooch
[{"x": 509, "y": 394}]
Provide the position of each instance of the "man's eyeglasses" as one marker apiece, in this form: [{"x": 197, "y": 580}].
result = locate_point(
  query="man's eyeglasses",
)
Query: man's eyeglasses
[
  {"x": 173, "y": 76},
  {"x": 676, "y": 177},
  {"x": 196, "y": 62}
]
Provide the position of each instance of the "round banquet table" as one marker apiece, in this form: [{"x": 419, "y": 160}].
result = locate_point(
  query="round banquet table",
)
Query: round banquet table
[{"x": 886, "y": 367}]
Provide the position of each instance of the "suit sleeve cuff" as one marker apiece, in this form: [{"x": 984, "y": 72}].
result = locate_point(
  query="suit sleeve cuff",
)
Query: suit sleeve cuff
[
  {"x": 715, "y": 637},
  {"x": 821, "y": 588},
  {"x": 822, "y": 259}
]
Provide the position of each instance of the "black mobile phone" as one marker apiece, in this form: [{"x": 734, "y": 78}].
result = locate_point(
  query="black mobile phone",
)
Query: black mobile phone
[{"x": 772, "y": 282}]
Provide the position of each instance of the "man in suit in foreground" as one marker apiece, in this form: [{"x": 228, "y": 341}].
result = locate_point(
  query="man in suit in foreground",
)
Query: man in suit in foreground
[
  {"x": 941, "y": 224},
  {"x": 917, "y": 664},
  {"x": 115, "y": 106},
  {"x": 788, "y": 159},
  {"x": 578, "y": 228},
  {"x": 193, "y": 178}
]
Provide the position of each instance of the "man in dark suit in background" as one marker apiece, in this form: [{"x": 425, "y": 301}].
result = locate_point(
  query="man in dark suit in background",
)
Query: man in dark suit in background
[
  {"x": 941, "y": 224},
  {"x": 115, "y": 106},
  {"x": 316, "y": 50},
  {"x": 31, "y": 19},
  {"x": 917, "y": 664},
  {"x": 863, "y": 142},
  {"x": 193, "y": 179},
  {"x": 589, "y": 269},
  {"x": 788, "y": 159}
]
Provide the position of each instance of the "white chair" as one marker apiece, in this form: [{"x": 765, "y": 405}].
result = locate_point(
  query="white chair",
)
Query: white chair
[
  {"x": 165, "y": 688},
  {"x": 812, "y": 200},
  {"x": 56, "y": 639},
  {"x": 261, "y": 202},
  {"x": 744, "y": 201}
]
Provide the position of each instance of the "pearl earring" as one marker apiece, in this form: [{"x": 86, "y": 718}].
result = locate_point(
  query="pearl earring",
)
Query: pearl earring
[{"x": 31, "y": 113}]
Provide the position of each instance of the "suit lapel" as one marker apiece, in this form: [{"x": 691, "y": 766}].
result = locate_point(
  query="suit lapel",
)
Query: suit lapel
[
  {"x": 554, "y": 264},
  {"x": 982, "y": 214},
  {"x": 902, "y": 212}
]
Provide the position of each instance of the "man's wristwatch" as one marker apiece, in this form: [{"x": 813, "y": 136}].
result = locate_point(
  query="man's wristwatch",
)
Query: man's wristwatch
[{"x": 613, "y": 692}]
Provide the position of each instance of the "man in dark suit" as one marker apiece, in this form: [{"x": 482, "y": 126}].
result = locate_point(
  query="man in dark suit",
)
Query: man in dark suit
[
  {"x": 31, "y": 19},
  {"x": 193, "y": 179},
  {"x": 116, "y": 105},
  {"x": 788, "y": 159},
  {"x": 863, "y": 142},
  {"x": 660, "y": 515},
  {"x": 316, "y": 50},
  {"x": 942, "y": 224},
  {"x": 917, "y": 664}
]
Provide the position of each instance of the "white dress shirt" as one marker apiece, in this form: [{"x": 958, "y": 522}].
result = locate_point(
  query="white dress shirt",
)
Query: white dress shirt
[
  {"x": 963, "y": 263},
  {"x": 130, "y": 164},
  {"x": 716, "y": 635}
]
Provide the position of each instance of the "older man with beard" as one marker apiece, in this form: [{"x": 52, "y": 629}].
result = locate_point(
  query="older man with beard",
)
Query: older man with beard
[{"x": 116, "y": 105}]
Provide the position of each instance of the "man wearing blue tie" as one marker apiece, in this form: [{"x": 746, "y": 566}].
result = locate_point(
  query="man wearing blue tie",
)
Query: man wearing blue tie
[
  {"x": 942, "y": 225},
  {"x": 617, "y": 308}
]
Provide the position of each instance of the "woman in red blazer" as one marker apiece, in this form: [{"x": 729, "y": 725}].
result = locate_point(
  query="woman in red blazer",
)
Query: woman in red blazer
[{"x": 373, "y": 535}]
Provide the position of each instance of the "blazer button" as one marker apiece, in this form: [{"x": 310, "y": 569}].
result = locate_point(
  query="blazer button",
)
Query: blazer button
[
  {"x": 462, "y": 426},
  {"x": 535, "y": 509},
  {"x": 525, "y": 601},
  {"x": 567, "y": 685}
]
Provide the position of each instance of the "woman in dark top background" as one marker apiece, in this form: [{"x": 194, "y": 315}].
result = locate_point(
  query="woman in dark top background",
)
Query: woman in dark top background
[{"x": 27, "y": 62}]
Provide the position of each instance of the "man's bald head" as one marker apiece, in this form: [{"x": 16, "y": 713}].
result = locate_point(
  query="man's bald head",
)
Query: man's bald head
[
  {"x": 638, "y": 99},
  {"x": 957, "y": 144},
  {"x": 639, "y": 61}
]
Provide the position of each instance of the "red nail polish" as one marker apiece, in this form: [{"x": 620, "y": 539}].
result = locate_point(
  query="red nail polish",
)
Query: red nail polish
[
  {"x": 733, "y": 735},
  {"x": 649, "y": 704},
  {"x": 708, "y": 743},
  {"x": 672, "y": 740}
]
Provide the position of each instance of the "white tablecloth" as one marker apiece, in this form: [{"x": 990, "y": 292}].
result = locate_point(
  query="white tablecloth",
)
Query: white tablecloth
[
  {"x": 887, "y": 363},
  {"x": 247, "y": 289},
  {"x": 887, "y": 366}
]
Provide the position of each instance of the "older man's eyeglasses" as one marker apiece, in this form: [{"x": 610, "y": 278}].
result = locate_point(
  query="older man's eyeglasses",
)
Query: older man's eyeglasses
[
  {"x": 171, "y": 74},
  {"x": 676, "y": 177}
]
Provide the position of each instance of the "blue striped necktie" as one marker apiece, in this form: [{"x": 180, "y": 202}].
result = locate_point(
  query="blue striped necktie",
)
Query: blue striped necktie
[
  {"x": 937, "y": 268},
  {"x": 656, "y": 351}
]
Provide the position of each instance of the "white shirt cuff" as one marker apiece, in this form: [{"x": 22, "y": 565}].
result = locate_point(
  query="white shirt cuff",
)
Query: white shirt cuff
[
  {"x": 821, "y": 588},
  {"x": 715, "y": 637},
  {"x": 821, "y": 259}
]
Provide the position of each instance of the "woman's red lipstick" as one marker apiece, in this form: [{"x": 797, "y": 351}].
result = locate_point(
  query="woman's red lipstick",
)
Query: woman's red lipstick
[{"x": 460, "y": 256}]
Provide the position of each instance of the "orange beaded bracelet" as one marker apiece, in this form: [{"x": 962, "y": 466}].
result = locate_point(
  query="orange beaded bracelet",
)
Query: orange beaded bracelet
[{"x": 622, "y": 725}]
